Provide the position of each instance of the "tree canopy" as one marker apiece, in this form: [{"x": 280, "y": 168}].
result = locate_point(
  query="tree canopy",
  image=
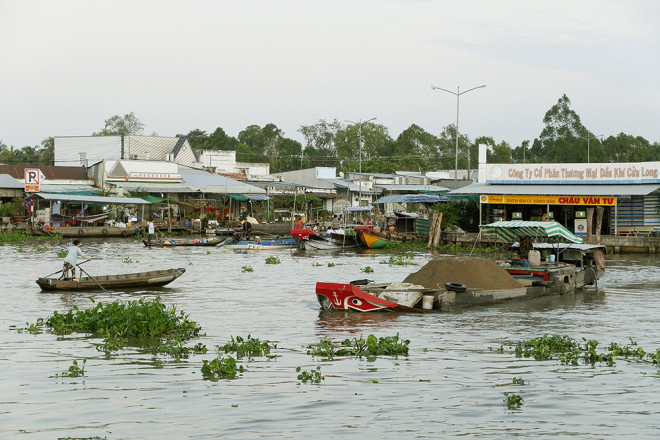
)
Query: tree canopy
[{"x": 369, "y": 146}]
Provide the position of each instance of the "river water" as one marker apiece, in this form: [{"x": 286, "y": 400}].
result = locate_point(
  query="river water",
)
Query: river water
[{"x": 452, "y": 384}]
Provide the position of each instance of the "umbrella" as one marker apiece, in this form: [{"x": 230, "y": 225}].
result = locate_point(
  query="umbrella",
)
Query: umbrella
[{"x": 511, "y": 230}]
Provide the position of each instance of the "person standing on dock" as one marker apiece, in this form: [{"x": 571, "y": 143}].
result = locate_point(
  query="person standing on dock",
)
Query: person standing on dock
[
  {"x": 71, "y": 260},
  {"x": 150, "y": 230}
]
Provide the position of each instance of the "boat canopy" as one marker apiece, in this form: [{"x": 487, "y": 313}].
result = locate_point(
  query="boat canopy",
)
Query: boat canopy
[{"x": 511, "y": 230}]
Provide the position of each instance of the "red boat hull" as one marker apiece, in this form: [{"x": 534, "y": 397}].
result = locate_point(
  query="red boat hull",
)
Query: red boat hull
[{"x": 340, "y": 296}]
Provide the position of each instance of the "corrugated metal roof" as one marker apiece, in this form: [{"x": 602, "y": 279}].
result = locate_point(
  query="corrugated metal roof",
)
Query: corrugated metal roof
[
  {"x": 351, "y": 186},
  {"x": 50, "y": 172},
  {"x": 420, "y": 188},
  {"x": 560, "y": 190},
  {"x": 410, "y": 198},
  {"x": 6, "y": 181},
  {"x": 91, "y": 199},
  {"x": 154, "y": 187},
  {"x": 207, "y": 182}
]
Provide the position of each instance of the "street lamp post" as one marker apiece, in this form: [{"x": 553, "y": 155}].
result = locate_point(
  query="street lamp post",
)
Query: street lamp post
[
  {"x": 359, "y": 124},
  {"x": 458, "y": 94},
  {"x": 588, "y": 138}
]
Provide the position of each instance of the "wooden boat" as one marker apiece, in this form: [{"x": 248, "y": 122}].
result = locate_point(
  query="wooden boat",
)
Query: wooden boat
[
  {"x": 84, "y": 231},
  {"x": 176, "y": 243},
  {"x": 308, "y": 239},
  {"x": 258, "y": 244},
  {"x": 154, "y": 278},
  {"x": 419, "y": 294},
  {"x": 374, "y": 239}
]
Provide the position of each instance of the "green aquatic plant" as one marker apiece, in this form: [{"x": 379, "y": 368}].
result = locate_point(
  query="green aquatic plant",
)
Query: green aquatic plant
[
  {"x": 513, "y": 401},
  {"x": 177, "y": 349},
  {"x": 316, "y": 265},
  {"x": 273, "y": 260},
  {"x": 18, "y": 237},
  {"x": 367, "y": 269},
  {"x": 400, "y": 260},
  {"x": 129, "y": 260},
  {"x": 139, "y": 323},
  {"x": 221, "y": 368},
  {"x": 247, "y": 347},
  {"x": 74, "y": 370},
  {"x": 519, "y": 381},
  {"x": 331, "y": 265},
  {"x": 62, "y": 253},
  {"x": 571, "y": 352},
  {"x": 313, "y": 376},
  {"x": 370, "y": 347},
  {"x": 247, "y": 269}
]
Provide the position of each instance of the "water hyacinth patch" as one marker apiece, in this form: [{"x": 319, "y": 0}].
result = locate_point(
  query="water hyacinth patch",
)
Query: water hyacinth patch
[
  {"x": 138, "y": 323},
  {"x": 570, "y": 351},
  {"x": 313, "y": 376},
  {"x": 371, "y": 347},
  {"x": 221, "y": 368},
  {"x": 74, "y": 370},
  {"x": 247, "y": 347}
]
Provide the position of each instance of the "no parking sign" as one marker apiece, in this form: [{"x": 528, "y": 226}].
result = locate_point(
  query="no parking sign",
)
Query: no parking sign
[{"x": 33, "y": 177}]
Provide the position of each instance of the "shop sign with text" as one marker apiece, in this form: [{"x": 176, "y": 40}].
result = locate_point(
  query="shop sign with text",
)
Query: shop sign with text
[
  {"x": 548, "y": 200},
  {"x": 633, "y": 172}
]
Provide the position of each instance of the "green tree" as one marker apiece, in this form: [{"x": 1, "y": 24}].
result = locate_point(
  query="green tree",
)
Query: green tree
[
  {"x": 122, "y": 125},
  {"x": 320, "y": 142},
  {"x": 501, "y": 153},
  {"x": 416, "y": 150},
  {"x": 218, "y": 140},
  {"x": 195, "y": 137}
]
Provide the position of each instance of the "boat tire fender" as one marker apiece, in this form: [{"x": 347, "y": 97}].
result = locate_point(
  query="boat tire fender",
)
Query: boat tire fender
[
  {"x": 81, "y": 232},
  {"x": 363, "y": 282},
  {"x": 104, "y": 231},
  {"x": 124, "y": 233},
  {"x": 455, "y": 287}
]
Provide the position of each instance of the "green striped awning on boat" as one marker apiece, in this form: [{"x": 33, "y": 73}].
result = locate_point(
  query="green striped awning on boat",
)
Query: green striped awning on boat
[{"x": 510, "y": 230}]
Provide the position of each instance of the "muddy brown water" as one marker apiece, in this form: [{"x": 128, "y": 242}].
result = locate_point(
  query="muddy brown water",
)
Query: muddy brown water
[{"x": 452, "y": 383}]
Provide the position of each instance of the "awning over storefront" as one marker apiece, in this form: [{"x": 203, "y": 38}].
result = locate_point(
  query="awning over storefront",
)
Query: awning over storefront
[
  {"x": 560, "y": 190},
  {"x": 358, "y": 208},
  {"x": 511, "y": 230},
  {"x": 90, "y": 199}
]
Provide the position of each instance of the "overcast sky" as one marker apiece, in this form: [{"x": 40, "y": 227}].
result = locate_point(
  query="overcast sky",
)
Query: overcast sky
[{"x": 68, "y": 65}]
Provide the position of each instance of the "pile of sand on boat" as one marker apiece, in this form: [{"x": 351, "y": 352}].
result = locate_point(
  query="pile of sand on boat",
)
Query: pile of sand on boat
[{"x": 475, "y": 273}]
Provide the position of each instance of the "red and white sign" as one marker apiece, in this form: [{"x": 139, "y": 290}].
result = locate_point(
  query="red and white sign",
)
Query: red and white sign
[{"x": 33, "y": 177}]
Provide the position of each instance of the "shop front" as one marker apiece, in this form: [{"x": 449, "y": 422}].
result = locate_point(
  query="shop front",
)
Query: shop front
[{"x": 609, "y": 199}]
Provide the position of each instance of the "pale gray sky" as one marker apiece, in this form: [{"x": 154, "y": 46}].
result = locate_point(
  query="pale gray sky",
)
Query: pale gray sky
[{"x": 68, "y": 65}]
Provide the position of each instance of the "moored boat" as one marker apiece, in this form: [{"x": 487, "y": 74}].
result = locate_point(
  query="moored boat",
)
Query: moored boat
[
  {"x": 176, "y": 243},
  {"x": 154, "y": 278},
  {"x": 258, "y": 244},
  {"x": 84, "y": 231},
  {"x": 308, "y": 239},
  {"x": 375, "y": 239},
  {"x": 453, "y": 282}
]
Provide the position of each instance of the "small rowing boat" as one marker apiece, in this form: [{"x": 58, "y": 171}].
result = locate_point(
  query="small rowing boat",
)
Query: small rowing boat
[{"x": 154, "y": 278}]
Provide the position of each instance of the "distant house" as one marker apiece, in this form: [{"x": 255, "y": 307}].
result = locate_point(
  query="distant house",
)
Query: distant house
[{"x": 89, "y": 150}]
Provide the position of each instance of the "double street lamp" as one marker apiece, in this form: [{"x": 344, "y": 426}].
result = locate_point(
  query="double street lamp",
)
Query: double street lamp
[
  {"x": 359, "y": 124},
  {"x": 458, "y": 94},
  {"x": 588, "y": 138}
]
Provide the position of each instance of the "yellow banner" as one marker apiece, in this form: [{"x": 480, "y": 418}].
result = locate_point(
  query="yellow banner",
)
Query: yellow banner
[{"x": 549, "y": 200}]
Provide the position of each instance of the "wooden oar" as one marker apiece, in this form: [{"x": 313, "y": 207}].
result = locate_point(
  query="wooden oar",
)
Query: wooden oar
[
  {"x": 55, "y": 273},
  {"x": 91, "y": 278}
]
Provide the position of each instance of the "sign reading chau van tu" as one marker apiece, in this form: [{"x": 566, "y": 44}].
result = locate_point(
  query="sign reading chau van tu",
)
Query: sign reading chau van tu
[
  {"x": 548, "y": 200},
  {"x": 572, "y": 173}
]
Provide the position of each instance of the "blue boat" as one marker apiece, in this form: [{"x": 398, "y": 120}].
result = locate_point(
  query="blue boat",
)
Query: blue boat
[{"x": 258, "y": 244}]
